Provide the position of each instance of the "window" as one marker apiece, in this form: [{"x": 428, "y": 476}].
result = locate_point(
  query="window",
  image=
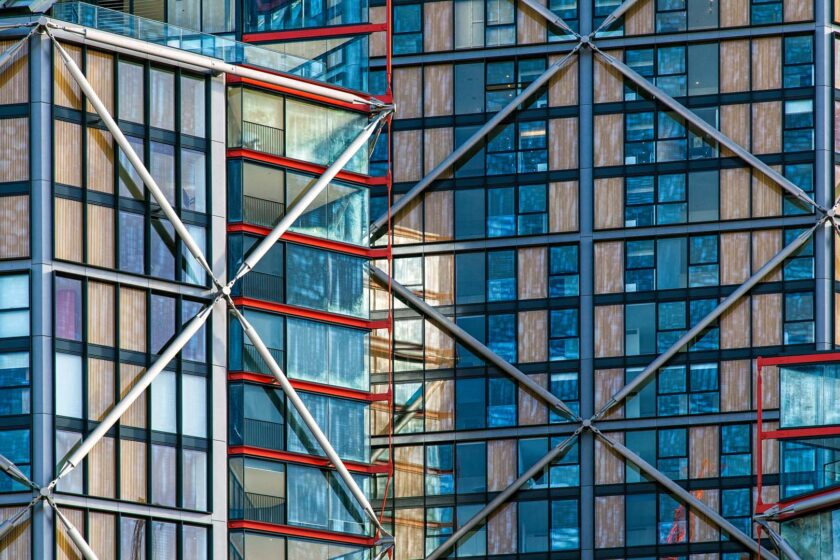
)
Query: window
[
  {"x": 666, "y": 448},
  {"x": 257, "y": 416},
  {"x": 799, "y": 125},
  {"x": 501, "y": 336},
  {"x": 680, "y": 263},
  {"x": 678, "y": 390},
  {"x": 14, "y": 383},
  {"x": 641, "y": 519},
  {"x": 481, "y": 23},
  {"x": 193, "y": 181},
  {"x": 671, "y": 199},
  {"x": 501, "y": 402},
  {"x": 193, "y": 108},
  {"x": 603, "y": 9},
  {"x": 501, "y": 276},
  {"x": 333, "y": 282},
  {"x": 475, "y": 325},
  {"x": 766, "y": 11},
  {"x": 567, "y": 10},
  {"x": 14, "y": 305},
  {"x": 563, "y": 472},
  {"x": 564, "y": 335},
  {"x": 328, "y": 354},
  {"x": 130, "y": 84},
  {"x": 735, "y": 445},
  {"x": 640, "y": 332},
  {"x": 257, "y": 489},
  {"x": 799, "y": 61},
  {"x": 470, "y": 407},
  {"x": 339, "y": 213},
  {"x": 68, "y": 308},
  {"x": 344, "y": 422},
  {"x": 317, "y": 500},
  {"x": 408, "y": 29},
  {"x": 563, "y": 278},
  {"x": 440, "y": 475},
  {"x": 528, "y": 217},
  {"x": 799, "y": 266},
  {"x": 439, "y": 525},
  {"x": 162, "y": 94},
  {"x": 470, "y": 468},
  {"x": 801, "y": 175},
  {"x": 520, "y": 148},
  {"x": 672, "y": 526},
  {"x": 243, "y": 354},
  {"x": 469, "y": 278},
  {"x": 676, "y": 317},
  {"x": 677, "y": 15},
  {"x": 469, "y": 213},
  {"x": 799, "y": 318},
  {"x": 663, "y": 136},
  {"x": 311, "y": 13},
  {"x": 564, "y": 386},
  {"x": 469, "y": 83},
  {"x": 506, "y": 79},
  {"x": 736, "y": 505}
]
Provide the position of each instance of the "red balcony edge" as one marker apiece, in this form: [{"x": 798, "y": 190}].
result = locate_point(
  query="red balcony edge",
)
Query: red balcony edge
[
  {"x": 801, "y": 432},
  {"x": 313, "y": 33},
  {"x": 290, "y": 531},
  {"x": 798, "y": 359},
  {"x": 312, "y": 241},
  {"x": 301, "y": 459},
  {"x": 307, "y": 313},
  {"x": 304, "y": 166},
  {"x": 311, "y": 387},
  {"x": 230, "y": 79}
]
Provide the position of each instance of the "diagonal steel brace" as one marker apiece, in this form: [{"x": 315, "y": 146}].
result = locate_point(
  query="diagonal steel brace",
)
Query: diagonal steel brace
[{"x": 778, "y": 540}]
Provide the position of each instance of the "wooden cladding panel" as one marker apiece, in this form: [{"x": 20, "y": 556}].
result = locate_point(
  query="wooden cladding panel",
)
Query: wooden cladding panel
[
  {"x": 101, "y": 387},
  {"x": 609, "y": 331},
  {"x": 735, "y": 257},
  {"x": 102, "y": 534},
  {"x": 767, "y": 127},
  {"x": 66, "y": 91},
  {"x": 100, "y": 161},
  {"x": 68, "y": 224},
  {"x": 770, "y": 387},
  {"x": 609, "y": 140},
  {"x": 408, "y": 471},
  {"x": 609, "y": 203},
  {"x": 101, "y": 313},
  {"x": 64, "y": 547},
  {"x": 406, "y": 86},
  {"x": 440, "y": 348},
  {"x": 735, "y": 58},
  {"x": 563, "y": 143},
  {"x": 765, "y": 245},
  {"x": 532, "y": 340},
  {"x": 14, "y": 80},
  {"x": 17, "y": 544},
  {"x": 135, "y": 416},
  {"x": 437, "y": 90},
  {"x": 532, "y": 409},
  {"x": 609, "y": 267},
  {"x": 532, "y": 273},
  {"x": 438, "y": 19},
  {"x": 607, "y": 383},
  {"x": 701, "y": 528},
  {"x": 14, "y": 226},
  {"x": 735, "y": 385},
  {"x": 102, "y": 469},
  {"x": 734, "y": 13},
  {"x": 378, "y": 41},
  {"x": 563, "y": 206},
  {"x": 735, "y": 325},
  {"x": 408, "y": 155},
  {"x": 530, "y": 25},
  {"x": 100, "y": 74},
  {"x": 439, "y": 279},
  {"x": 609, "y": 521},
  {"x": 133, "y": 470},
  {"x": 132, "y": 319},
  {"x": 609, "y": 82},
  {"x": 799, "y": 10},
  {"x": 408, "y": 533},
  {"x": 68, "y": 153},
  {"x": 766, "y": 196},
  {"x": 440, "y": 405},
  {"x": 14, "y": 150},
  {"x": 735, "y": 193},
  {"x": 501, "y": 464},
  {"x": 563, "y": 86},
  {"x": 703, "y": 442},
  {"x": 767, "y": 319},
  {"x": 100, "y": 235},
  {"x": 408, "y": 222},
  {"x": 609, "y": 465},
  {"x": 766, "y": 63},
  {"x": 638, "y": 20},
  {"x": 735, "y": 123},
  {"x": 502, "y": 530},
  {"x": 438, "y": 216},
  {"x": 437, "y": 144},
  {"x": 769, "y": 450}
]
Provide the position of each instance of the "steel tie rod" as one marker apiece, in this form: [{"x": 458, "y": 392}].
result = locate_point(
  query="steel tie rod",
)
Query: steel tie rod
[{"x": 470, "y": 341}]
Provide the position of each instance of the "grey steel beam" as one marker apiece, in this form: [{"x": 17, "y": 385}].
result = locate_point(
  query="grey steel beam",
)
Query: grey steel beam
[
  {"x": 74, "y": 534},
  {"x": 311, "y": 423},
  {"x": 378, "y": 224},
  {"x": 660, "y": 95},
  {"x": 503, "y": 496},
  {"x": 617, "y": 13},
  {"x": 783, "y": 546},
  {"x": 308, "y": 197},
  {"x": 728, "y": 302},
  {"x": 551, "y": 17},
  {"x": 687, "y": 497},
  {"x": 169, "y": 353},
  {"x": 470, "y": 341},
  {"x": 801, "y": 507},
  {"x": 135, "y": 160}
]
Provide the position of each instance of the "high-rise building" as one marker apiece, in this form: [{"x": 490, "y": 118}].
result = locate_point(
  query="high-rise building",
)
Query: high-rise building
[{"x": 575, "y": 298}]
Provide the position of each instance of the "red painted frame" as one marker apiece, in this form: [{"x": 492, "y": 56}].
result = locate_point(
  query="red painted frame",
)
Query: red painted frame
[
  {"x": 311, "y": 387},
  {"x": 312, "y": 241},
  {"x": 303, "y": 166},
  {"x": 310, "y": 313},
  {"x": 789, "y": 433},
  {"x": 313, "y": 33},
  {"x": 290, "y": 531}
]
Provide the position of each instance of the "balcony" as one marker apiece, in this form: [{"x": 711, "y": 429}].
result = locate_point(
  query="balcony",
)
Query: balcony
[
  {"x": 261, "y": 212},
  {"x": 252, "y": 361},
  {"x": 259, "y": 285},
  {"x": 261, "y": 138},
  {"x": 262, "y": 434},
  {"x": 256, "y": 507}
]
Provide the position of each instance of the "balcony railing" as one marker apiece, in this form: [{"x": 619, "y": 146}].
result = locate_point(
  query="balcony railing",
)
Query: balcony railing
[
  {"x": 262, "y": 138},
  {"x": 261, "y": 212},
  {"x": 257, "y": 507},
  {"x": 254, "y": 362},
  {"x": 264, "y": 434},
  {"x": 259, "y": 285}
]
